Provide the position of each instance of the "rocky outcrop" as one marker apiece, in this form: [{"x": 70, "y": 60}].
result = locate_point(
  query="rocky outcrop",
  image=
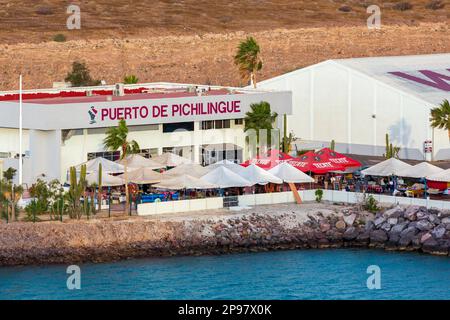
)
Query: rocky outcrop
[{"x": 410, "y": 229}]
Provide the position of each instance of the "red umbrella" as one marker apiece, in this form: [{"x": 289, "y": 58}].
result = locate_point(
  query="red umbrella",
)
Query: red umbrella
[
  {"x": 312, "y": 162},
  {"x": 268, "y": 161},
  {"x": 337, "y": 158}
]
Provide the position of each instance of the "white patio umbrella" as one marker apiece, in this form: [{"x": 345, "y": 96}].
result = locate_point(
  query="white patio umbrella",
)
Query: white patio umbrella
[
  {"x": 443, "y": 176},
  {"x": 420, "y": 170},
  {"x": 192, "y": 169},
  {"x": 107, "y": 180},
  {"x": 225, "y": 178},
  {"x": 185, "y": 181},
  {"x": 257, "y": 175},
  {"x": 230, "y": 165},
  {"x": 170, "y": 159},
  {"x": 137, "y": 161},
  {"x": 107, "y": 166},
  {"x": 386, "y": 168},
  {"x": 143, "y": 176},
  {"x": 290, "y": 174}
]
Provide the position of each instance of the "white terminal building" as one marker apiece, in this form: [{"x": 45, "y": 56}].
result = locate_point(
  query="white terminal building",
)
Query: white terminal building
[
  {"x": 355, "y": 102},
  {"x": 66, "y": 126}
]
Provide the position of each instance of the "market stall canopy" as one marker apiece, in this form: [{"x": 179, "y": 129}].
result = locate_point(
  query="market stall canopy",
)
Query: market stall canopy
[
  {"x": 443, "y": 176},
  {"x": 269, "y": 160},
  {"x": 192, "y": 169},
  {"x": 386, "y": 168},
  {"x": 185, "y": 181},
  {"x": 257, "y": 175},
  {"x": 420, "y": 170},
  {"x": 137, "y": 161},
  {"x": 337, "y": 158},
  {"x": 107, "y": 166},
  {"x": 290, "y": 174},
  {"x": 225, "y": 178},
  {"x": 312, "y": 162},
  {"x": 170, "y": 159},
  {"x": 143, "y": 176},
  {"x": 230, "y": 165},
  {"x": 107, "y": 180}
]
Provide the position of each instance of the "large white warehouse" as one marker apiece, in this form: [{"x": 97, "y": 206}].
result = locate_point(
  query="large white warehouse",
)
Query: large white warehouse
[{"x": 357, "y": 101}]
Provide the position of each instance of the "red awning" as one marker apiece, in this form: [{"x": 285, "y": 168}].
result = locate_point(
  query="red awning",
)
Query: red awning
[
  {"x": 337, "y": 158},
  {"x": 268, "y": 161},
  {"x": 312, "y": 162}
]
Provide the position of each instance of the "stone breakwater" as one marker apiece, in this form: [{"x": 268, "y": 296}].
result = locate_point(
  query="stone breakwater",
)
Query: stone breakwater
[{"x": 275, "y": 227}]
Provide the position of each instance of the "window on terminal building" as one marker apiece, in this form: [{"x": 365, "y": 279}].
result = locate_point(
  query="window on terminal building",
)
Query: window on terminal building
[
  {"x": 109, "y": 155},
  {"x": 238, "y": 121},
  {"x": 148, "y": 153},
  {"x": 178, "y": 126},
  {"x": 206, "y": 125},
  {"x": 216, "y": 124}
]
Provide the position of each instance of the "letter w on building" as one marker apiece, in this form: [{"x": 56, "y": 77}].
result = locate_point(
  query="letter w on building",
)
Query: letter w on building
[{"x": 433, "y": 79}]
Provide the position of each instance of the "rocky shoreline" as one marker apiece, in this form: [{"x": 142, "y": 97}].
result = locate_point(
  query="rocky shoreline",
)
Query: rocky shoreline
[{"x": 276, "y": 227}]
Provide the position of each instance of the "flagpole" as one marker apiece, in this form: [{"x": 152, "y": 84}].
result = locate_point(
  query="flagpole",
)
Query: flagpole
[{"x": 20, "y": 132}]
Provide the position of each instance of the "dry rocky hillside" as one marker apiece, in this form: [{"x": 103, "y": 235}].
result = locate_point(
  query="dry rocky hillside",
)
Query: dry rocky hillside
[{"x": 194, "y": 41}]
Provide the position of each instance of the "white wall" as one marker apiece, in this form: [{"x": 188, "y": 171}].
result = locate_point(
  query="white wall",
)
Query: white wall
[
  {"x": 331, "y": 101},
  {"x": 45, "y": 154},
  {"x": 9, "y": 140}
]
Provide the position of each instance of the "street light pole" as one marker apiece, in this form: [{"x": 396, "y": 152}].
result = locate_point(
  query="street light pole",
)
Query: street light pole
[{"x": 20, "y": 132}]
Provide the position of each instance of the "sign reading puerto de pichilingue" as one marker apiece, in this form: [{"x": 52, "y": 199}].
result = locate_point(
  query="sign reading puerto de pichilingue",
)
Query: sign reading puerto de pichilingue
[{"x": 164, "y": 111}]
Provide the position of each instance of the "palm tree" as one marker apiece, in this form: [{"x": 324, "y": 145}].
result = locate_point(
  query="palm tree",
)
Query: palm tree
[
  {"x": 248, "y": 60},
  {"x": 260, "y": 117},
  {"x": 117, "y": 139},
  {"x": 440, "y": 117}
]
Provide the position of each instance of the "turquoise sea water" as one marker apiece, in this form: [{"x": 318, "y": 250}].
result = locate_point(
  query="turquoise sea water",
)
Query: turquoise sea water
[{"x": 299, "y": 274}]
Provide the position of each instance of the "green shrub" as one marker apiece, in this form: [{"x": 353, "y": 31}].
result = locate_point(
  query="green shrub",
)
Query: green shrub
[
  {"x": 319, "y": 195},
  {"x": 34, "y": 209},
  {"x": 403, "y": 6},
  {"x": 371, "y": 204},
  {"x": 131, "y": 79},
  {"x": 435, "y": 5},
  {"x": 59, "y": 37},
  {"x": 80, "y": 76}
]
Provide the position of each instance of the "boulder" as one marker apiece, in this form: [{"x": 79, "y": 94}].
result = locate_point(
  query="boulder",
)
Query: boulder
[
  {"x": 424, "y": 225},
  {"x": 446, "y": 220},
  {"x": 399, "y": 227},
  {"x": 406, "y": 240},
  {"x": 378, "y": 236},
  {"x": 425, "y": 237},
  {"x": 351, "y": 233},
  {"x": 392, "y": 221},
  {"x": 394, "y": 238},
  {"x": 410, "y": 231},
  {"x": 369, "y": 225},
  {"x": 379, "y": 221},
  {"x": 363, "y": 237},
  {"x": 438, "y": 232},
  {"x": 430, "y": 245},
  {"x": 444, "y": 214},
  {"x": 340, "y": 225},
  {"x": 349, "y": 220},
  {"x": 395, "y": 212},
  {"x": 411, "y": 213},
  {"x": 385, "y": 226},
  {"x": 420, "y": 215},
  {"x": 324, "y": 227},
  {"x": 434, "y": 219}
]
